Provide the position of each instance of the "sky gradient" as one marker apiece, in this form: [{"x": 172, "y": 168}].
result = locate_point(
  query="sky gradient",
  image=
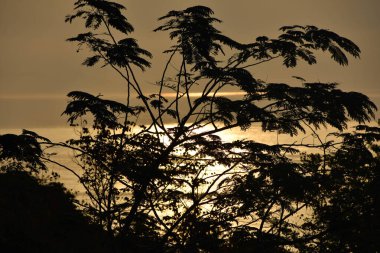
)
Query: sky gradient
[{"x": 38, "y": 68}]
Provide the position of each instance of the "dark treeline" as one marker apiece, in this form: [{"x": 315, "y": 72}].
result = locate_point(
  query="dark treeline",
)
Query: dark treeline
[{"x": 182, "y": 188}]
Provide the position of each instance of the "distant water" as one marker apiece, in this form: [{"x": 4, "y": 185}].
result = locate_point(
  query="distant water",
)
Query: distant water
[{"x": 255, "y": 133}]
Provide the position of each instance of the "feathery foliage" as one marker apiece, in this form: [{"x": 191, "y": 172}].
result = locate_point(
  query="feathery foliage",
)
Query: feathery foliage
[{"x": 175, "y": 183}]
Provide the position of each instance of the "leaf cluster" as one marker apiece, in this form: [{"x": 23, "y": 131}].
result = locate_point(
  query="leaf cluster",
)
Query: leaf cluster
[
  {"x": 22, "y": 151},
  {"x": 99, "y": 14}
]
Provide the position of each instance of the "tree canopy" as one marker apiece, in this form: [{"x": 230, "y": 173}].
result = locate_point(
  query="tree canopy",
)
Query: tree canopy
[{"x": 181, "y": 187}]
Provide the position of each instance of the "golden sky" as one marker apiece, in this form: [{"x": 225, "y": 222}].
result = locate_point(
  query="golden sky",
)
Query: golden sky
[{"x": 38, "y": 68}]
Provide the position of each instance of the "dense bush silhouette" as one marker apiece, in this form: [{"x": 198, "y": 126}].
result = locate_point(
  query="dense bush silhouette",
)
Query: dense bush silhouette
[{"x": 41, "y": 217}]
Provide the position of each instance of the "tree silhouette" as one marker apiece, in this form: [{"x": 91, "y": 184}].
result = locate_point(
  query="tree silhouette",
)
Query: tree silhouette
[
  {"x": 351, "y": 191},
  {"x": 160, "y": 187}
]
